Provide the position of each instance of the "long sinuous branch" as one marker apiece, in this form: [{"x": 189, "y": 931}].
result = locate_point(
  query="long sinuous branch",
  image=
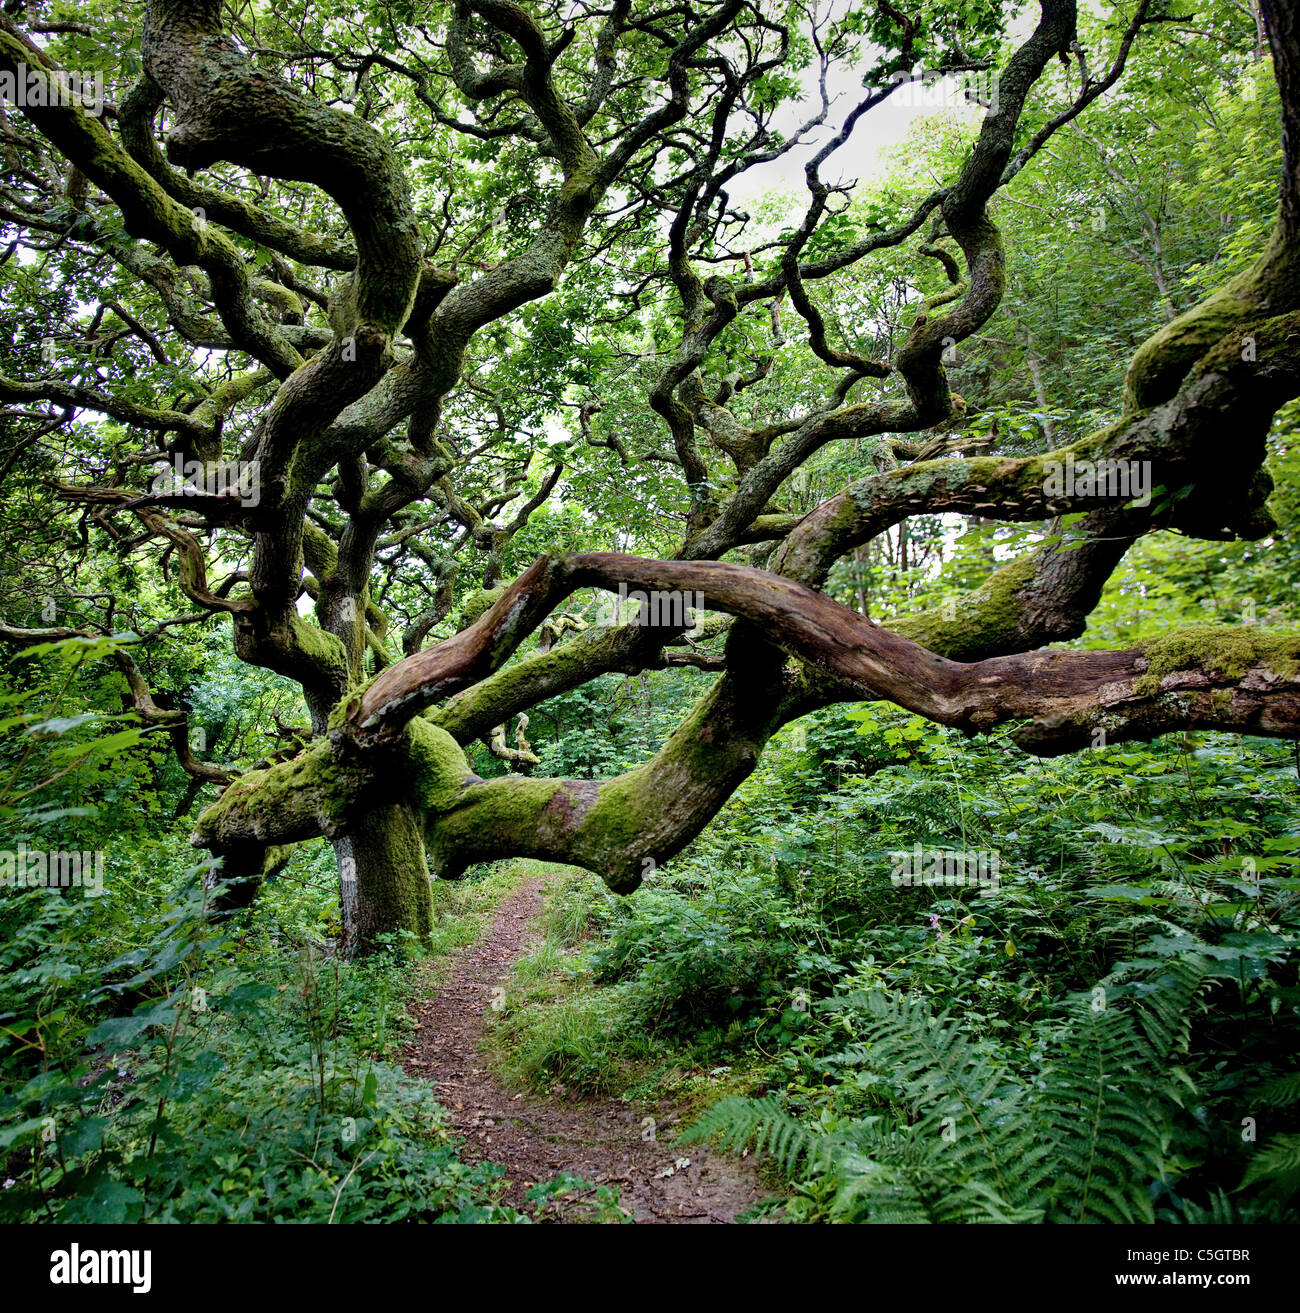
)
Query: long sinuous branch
[
  {"x": 804, "y": 623},
  {"x": 1239, "y": 679}
]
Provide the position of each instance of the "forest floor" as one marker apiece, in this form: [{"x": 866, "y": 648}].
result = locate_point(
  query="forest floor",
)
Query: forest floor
[{"x": 604, "y": 1141}]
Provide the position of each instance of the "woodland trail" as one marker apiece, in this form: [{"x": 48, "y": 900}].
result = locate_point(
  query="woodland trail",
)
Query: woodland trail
[{"x": 535, "y": 1138}]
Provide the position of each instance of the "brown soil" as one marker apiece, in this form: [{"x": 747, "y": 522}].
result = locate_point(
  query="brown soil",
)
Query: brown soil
[{"x": 534, "y": 1138}]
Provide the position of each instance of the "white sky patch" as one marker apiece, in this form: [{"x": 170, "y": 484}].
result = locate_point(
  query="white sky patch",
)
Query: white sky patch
[{"x": 866, "y": 154}]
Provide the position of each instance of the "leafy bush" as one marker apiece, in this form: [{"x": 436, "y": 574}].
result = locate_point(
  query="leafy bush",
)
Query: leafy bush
[{"x": 159, "y": 1063}]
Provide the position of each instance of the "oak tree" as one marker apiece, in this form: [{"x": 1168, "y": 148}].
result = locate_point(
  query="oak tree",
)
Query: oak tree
[{"x": 334, "y": 306}]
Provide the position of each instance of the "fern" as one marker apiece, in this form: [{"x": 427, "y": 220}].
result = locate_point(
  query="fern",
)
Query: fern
[
  {"x": 1104, "y": 1134},
  {"x": 763, "y": 1125},
  {"x": 1280, "y": 1091},
  {"x": 1165, "y": 1004},
  {"x": 964, "y": 1158},
  {"x": 1080, "y": 1142},
  {"x": 964, "y": 1094},
  {"x": 909, "y": 1179},
  {"x": 1278, "y": 1163},
  {"x": 1223, "y": 1211}
]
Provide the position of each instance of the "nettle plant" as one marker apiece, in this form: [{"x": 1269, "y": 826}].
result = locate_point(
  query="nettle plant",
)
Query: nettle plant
[{"x": 427, "y": 292}]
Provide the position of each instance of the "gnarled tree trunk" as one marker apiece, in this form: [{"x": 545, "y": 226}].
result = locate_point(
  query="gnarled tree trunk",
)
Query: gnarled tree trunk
[{"x": 383, "y": 878}]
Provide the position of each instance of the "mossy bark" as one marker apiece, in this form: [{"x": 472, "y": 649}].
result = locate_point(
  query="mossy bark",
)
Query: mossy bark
[
  {"x": 384, "y": 879},
  {"x": 365, "y": 807}
]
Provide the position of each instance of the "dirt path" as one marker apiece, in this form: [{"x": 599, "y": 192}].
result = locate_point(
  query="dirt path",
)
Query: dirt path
[{"x": 536, "y": 1139}]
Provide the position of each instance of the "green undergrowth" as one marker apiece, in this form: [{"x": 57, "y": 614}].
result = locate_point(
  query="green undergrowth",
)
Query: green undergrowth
[
  {"x": 211, "y": 1075},
  {"x": 1107, "y": 1035},
  {"x": 163, "y": 1061},
  {"x": 566, "y": 1027},
  {"x": 463, "y": 908},
  {"x": 231, "y": 1070}
]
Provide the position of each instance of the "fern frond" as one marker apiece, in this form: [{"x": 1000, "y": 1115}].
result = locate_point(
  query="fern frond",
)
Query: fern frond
[
  {"x": 1281, "y": 1091},
  {"x": 1277, "y": 1162},
  {"x": 958, "y": 1085},
  {"x": 762, "y": 1125},
  {"x": 1165, "y": 1005},
  {"x": 1106, "y": 1136}
]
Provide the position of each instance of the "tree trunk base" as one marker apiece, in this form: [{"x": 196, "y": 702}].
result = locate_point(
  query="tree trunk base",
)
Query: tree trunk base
[{"x": 383, "y": 879}]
